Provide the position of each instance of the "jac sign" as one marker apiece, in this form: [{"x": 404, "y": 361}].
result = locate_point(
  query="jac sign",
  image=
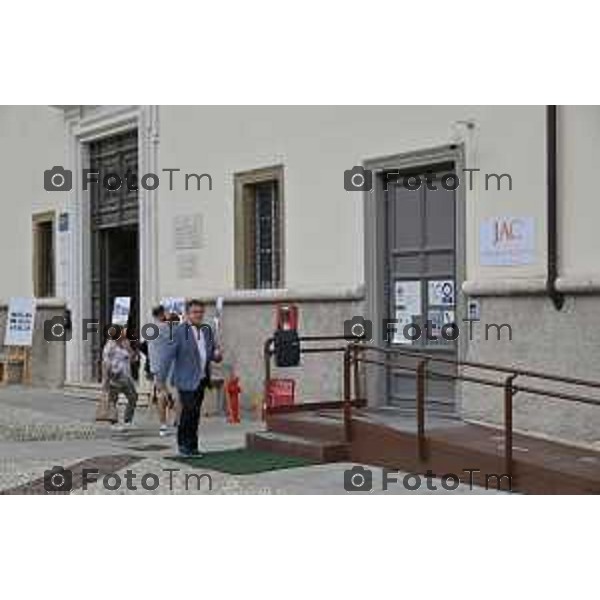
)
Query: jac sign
[{"x": 507, "y": 241}]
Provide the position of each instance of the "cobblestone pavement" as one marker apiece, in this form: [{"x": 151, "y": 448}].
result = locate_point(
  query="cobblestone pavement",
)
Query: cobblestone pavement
[{"x": 40, "y": 430}]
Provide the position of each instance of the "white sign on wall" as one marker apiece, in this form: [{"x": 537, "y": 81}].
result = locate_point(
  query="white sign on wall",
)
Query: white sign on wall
[
  {"x": 19, "y": 322},
  {"x": 507, "y": 241}
]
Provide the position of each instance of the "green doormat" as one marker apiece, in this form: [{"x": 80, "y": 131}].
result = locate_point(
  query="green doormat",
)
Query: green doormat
[{"x": 243, "y": 461}]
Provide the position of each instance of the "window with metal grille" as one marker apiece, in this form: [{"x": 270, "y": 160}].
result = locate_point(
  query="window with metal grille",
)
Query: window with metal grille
[{"x": 258, "y": 229}]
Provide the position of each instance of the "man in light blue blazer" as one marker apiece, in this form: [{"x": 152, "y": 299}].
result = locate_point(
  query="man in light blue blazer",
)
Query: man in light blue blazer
[{"x": 190, "y": 351}]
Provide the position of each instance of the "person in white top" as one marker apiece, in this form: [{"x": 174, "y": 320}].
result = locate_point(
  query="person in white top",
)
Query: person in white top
[{"x": 117, "y": 356}]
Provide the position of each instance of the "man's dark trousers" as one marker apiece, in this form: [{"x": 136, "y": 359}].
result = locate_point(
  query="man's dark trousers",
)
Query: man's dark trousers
[{"x": 189, "y": 420}]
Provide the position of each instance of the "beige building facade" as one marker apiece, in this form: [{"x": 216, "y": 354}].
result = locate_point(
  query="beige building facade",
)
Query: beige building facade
[{"x": 252, "y": 206}]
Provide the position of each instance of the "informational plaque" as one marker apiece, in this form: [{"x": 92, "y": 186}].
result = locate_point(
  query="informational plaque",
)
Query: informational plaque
[
  {"x": 187, "y": 265},
  {"x": 188, "y": 232}
]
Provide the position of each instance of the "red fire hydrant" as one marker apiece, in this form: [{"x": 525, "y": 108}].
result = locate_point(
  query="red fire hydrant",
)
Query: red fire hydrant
[{"x": 234, "y": 390}]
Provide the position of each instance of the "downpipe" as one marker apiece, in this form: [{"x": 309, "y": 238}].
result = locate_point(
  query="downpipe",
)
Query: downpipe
[{"x": 555, "y": 296}]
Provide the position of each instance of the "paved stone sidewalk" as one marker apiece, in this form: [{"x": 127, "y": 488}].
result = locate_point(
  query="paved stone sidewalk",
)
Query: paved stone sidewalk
[
  {"x": 318, "y": 479},
  {"x": 142, "y": 451},
  {"x": 29, "y": 414}
]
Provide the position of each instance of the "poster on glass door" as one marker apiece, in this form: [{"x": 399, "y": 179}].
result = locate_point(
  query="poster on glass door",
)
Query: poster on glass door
[
  {"x": 440, "y": 292},
  {"x": 407, "y": 301}
]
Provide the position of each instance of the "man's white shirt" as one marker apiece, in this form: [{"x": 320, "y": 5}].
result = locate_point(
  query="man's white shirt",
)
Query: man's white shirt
[{"x": 201, "y": 351}]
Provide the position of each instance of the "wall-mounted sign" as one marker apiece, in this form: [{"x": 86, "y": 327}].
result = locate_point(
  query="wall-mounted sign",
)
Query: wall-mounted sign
[
  {"x": 188, "y": 231},
  {"x": 19, "y": 322},
  {"x": 474, "y": 309},
  {"x": 507, "y": 241},
  {"x": 187, "y": 265},
  {"x": 63, "y": 222}
]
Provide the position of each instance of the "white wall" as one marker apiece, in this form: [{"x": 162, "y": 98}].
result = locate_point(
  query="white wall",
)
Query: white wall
[
  {"x": 579, "y": 198},
  {"x": 324, "y": 223},
  {"x": 31, "y": 141}
]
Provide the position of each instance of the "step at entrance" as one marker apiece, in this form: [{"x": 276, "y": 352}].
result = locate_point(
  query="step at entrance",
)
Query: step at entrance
[
  {"x": 316, "y": 426},
  {"x": 292, "y": 445}
]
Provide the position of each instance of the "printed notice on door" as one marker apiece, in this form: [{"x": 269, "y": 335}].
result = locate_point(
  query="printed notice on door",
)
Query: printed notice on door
[
  {"x": 441, "y": 292},
  {"x": 407, "y": 297}
]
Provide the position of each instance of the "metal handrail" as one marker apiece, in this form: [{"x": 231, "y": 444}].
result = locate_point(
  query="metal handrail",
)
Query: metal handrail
[
  {"x": 518, "y": 388},
  {"x": 510, "y": 389},
  {"x": 354, "y": 354},
  {"x": 485, "y": 366},
  {"x": 430, "y": 373},
  {"x": 268, "y": 352}
]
